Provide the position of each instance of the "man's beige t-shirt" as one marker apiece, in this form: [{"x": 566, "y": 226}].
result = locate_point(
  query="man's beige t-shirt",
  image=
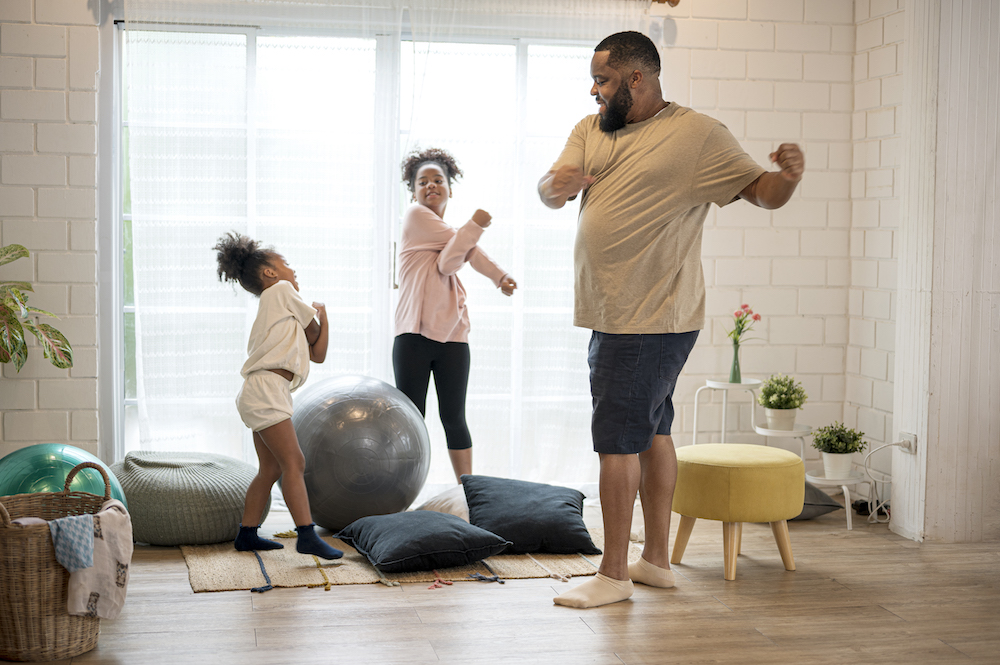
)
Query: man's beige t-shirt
[{"x": 638, "y": 244}]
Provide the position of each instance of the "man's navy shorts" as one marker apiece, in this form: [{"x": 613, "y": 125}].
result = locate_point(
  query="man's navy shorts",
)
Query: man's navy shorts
[{"x": 632, "y": 379}]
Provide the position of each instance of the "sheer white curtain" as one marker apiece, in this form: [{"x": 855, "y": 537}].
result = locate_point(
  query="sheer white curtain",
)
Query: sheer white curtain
[
  {"x": 505, "y": 109},
  {"x": 186, "y": 183},
  {"x": 281, "y": 159},
  {"x": 287, "y": 121},
  {"x": 574, "y": 20}
]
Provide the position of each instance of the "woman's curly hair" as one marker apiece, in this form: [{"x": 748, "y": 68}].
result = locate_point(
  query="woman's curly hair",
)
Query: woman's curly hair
[
  {"x": 242, "y": 259},
  {"x": 418, "y": 158}
]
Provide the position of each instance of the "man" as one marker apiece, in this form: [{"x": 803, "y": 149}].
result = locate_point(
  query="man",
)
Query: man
[{"x": 648, "y": 170}]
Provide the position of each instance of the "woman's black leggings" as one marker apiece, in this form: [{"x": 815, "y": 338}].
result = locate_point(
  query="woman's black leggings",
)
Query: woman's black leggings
[{"x": 414, "y": 357}]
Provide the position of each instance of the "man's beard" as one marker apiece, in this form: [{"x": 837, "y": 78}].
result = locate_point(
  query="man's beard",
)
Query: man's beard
[{"x": 616, "y": 109}]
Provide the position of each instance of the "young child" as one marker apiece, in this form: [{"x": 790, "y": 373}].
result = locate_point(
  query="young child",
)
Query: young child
[
  {"x": 285, "y": 336},
  {"x": 432, "y": 320}
]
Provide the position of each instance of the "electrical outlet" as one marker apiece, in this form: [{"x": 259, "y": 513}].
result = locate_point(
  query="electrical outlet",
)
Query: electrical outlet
[{"x": 909, "y": 443}]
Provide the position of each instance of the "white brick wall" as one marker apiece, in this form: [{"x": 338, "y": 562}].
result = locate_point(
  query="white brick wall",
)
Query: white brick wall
[
  {"x": 49, "y": 77},
  {"x": 878, "y": 93},
  {"x": 33, "y": 40},
  {"x": 33, "y": 170},
  {"x": 803, "y": 38},
  {"x": 774, "y": 71},
  {"x": 724, "y": 9},
  {"x": 15, "y": 72},
  {"x": 64, "y": 12}
]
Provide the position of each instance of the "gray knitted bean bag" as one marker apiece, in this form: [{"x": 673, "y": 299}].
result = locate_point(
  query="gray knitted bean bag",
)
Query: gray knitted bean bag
[{"x": 184, "y": 498}]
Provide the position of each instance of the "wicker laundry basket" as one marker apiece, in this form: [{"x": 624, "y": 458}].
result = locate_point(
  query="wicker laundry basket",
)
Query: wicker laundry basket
[{"x": 34, "y": 623}]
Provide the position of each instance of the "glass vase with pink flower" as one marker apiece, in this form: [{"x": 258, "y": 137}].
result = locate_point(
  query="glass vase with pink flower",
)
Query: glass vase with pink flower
[{"x": 743, "y": 320}]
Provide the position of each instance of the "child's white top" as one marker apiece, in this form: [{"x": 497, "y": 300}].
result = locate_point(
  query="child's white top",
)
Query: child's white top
[{"x": 278, "y": 336}]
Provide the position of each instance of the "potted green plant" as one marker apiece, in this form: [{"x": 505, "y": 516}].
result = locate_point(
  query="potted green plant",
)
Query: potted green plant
[
  {"x": 837, "y": 443},
  {"x": 16, "y": 317},
  {"x": 781, "y": 396}
]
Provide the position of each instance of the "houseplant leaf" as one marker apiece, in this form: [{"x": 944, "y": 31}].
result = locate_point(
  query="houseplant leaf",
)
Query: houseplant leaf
[
  {"x": 11, "y": 333},
  {"x": 12, "y": 346},
  {"x": 35, "y": 310},
  {"x": 54, "y": 344},
  {"x": 20, "y": 356},
  {"x": 13, "y": 299},
  {"x": 22, "y": 286},
  {"x": 10, "y": 253},
  {"x": 13, "y": 308}
]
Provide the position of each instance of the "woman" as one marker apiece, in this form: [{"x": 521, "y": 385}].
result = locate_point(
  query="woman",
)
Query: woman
[{"x": 432, "y": 322}]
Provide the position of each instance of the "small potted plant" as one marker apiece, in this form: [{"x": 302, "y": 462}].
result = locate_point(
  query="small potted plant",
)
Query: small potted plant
[
  {"x": 837, "y": 443},
  {"x": 16, "y": 317},
  {"x": 781, "y": 396}
]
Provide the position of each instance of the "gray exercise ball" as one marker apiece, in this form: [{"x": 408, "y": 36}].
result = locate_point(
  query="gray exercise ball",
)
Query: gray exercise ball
[{"x": 366, "y": 447}]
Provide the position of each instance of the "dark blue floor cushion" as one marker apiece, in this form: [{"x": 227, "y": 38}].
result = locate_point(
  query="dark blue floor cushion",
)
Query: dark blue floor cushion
[
  {"x": 816, "y": 503},
  {"x": 533, "y": 516},
  {"x": 420, "y": 540}
]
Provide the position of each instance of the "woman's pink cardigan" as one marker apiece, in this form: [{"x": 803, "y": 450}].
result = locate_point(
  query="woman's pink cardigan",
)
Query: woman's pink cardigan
[{"x": 431, "y": 297}]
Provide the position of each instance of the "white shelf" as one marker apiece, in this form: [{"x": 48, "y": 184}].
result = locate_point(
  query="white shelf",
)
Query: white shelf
[
  {"x": 797, "y": 432},
  {"x": 819, "y": 478},
  {"x": 746, "y": 384},
  {"x": 749, "y": 385}
]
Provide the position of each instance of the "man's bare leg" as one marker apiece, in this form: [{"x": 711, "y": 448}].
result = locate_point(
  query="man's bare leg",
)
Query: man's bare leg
[
  {"x": 620, "y": 476},
  {"x": 656, "y": 491}
]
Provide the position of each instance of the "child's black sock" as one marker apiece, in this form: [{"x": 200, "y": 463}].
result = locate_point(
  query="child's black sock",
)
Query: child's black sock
[
  {"x": 247, "y": 540},
  {"x": 310, "y": 543}
]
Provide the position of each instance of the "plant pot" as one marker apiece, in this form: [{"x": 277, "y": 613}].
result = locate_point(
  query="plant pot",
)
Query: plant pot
[
  {"x": 836, "y": 465},
  {"x": 783, "y": 419}
]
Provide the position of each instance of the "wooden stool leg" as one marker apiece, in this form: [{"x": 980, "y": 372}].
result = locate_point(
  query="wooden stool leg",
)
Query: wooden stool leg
[
  {"x": 739, "y": 538},
  {"x": 681, "y": 540},
  {"x": 780, "y": 531},
  {"x": 730, "y": 544}
]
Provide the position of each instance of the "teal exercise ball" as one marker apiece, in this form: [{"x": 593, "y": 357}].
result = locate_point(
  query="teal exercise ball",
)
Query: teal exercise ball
[{"x": 43, "y": 467}]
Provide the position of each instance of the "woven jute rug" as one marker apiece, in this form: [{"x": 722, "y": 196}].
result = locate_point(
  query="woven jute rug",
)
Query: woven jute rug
[{"x": 219, "y": 567}]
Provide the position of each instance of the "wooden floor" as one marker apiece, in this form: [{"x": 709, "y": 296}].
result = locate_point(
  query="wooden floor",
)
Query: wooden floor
[{"x": 864, "y": 596}]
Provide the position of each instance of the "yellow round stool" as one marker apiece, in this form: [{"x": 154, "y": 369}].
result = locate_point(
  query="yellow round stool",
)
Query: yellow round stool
[{"x": 735, "y": 483}]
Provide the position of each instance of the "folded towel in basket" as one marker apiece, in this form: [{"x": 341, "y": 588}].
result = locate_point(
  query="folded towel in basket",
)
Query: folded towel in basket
[
  {"x": 73, "y": 540},
  {"x": 28, "y": 521},
  {"x": 100, "y": 589}
]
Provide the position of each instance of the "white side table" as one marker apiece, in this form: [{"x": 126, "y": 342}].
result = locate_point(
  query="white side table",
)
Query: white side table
[
  {"x": 799, "y": 432},
  {"x": 819, "y": 479},
  {"x": 749, "y": 385}
]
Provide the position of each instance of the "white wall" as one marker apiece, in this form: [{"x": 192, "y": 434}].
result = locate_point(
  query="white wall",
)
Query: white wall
[
  {"x": 948, "y": 375},
  {"x": 963, "y": 443},
  {"x": 878, "y": 93},
  {"x": 49, "y": 78},
  {"x": 773, "y": 71}
]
